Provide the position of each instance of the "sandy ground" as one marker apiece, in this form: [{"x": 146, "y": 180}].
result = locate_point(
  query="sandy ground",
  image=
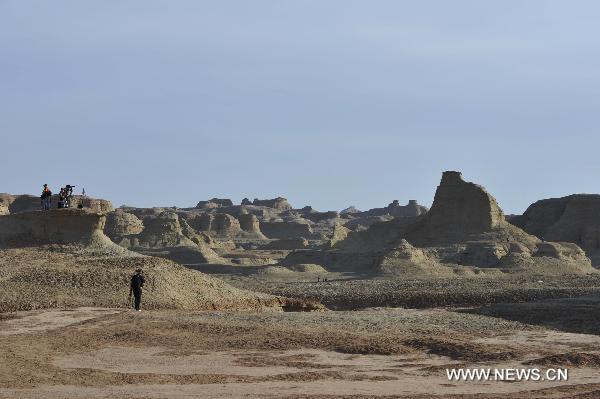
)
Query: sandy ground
[
  {"x": 45, "y": 320},
  {"x": 383, "y": 352}
]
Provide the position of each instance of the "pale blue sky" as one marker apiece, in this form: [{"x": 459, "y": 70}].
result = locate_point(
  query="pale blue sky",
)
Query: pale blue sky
[{"x": 329, "y": 103}]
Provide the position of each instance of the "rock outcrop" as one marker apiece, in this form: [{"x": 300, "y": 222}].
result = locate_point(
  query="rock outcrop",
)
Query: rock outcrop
[
  {"x": 219, "y": 225},
  {"x": 214, "y": 203},
  {"x": 287, "y": 244},
  {"x": 5, "y": 201},
  {"x": 462, "y": 208},
  {"x": 350, "y": 210},
  {"x": 225, "y": 225},
  {"x": 405, "y": 259},
  {"x": 78, "y": 227},
  {"x": 93, "y": 204},
  {"x": 162, "y": 231},
  {"x": 250, "y": 224},
  {"x": 278, "y": 203},
  {"x": 163, "y": 235},
  {"x": 30, "y": 203},
  {"x": 394, "y": 209},
  {"x": 316, "y": 217},
  {"x": 120, "y": 223},
  {"x": 465, "y": 227},
  {"x": 339, "y": 234},
  {"x": 575, "y": 219},
  {"x": 286, "y": 230},
  {"x": 461, "y": 212}
]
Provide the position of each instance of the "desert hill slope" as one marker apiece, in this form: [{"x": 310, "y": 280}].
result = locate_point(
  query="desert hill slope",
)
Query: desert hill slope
[{"x": 61, "y": 258}]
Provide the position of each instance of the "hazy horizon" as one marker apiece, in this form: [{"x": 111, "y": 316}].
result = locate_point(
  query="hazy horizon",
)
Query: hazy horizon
[{"x": 329, "y": 104}]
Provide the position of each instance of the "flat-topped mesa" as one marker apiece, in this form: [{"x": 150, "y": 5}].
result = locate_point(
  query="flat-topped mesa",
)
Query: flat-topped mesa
[
  {"x": 462, "y": 207},
  {"x": 394, "y": 209},
  {"x": 214, "y": 203},
  {"x": 59, "y": 226},
  {"x": 279, "y": 203},
  {"x": 409, "y": 210},
  {"x": 10, "y": 204}
]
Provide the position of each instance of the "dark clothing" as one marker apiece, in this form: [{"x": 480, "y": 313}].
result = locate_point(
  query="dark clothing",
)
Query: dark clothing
[
  {"x": 46, "y": 199},
  {"x": 137, "y": 296},
  {"x": 137, "y": 282}
]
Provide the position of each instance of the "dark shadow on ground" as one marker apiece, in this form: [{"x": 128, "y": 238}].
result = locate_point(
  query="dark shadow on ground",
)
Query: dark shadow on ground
[{"x": 575, "y": 315}]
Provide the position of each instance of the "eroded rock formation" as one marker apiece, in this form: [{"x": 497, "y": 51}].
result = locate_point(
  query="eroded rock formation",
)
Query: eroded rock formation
[
  {"x": 339, "y": 234},
  {"x": 162, "y": 234},
  {"x": 286, "y": 230},
  {"x": 120, "y": 223},
  {"x": 59, "y": 226},
  {"x": 278, "y": 203},
  {"x": 464, "y": 228},
  {"x": 462, "y": 208},
  {"x": 394, "y": 209},
  {"x": 10, "y": 204},
  {"x": 575, "y": 219},
  {"x": 287, "y": 244},
  {"x": 214, "y": 203}
]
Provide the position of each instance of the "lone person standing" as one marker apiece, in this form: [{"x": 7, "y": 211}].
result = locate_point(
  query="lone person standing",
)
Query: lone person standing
[
  {"x": 46, "y": 198},
  {"x": 135, "y": 288}
]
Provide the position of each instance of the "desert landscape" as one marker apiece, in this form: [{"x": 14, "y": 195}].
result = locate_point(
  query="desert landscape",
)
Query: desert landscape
[
  {"x": 262, "y": 299},
  {"x": 308, "y": 199}
]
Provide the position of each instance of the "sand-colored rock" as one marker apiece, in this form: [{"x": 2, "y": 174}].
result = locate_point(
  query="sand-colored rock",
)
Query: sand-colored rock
[
  {"x": 30, "y": 203},
  {"x": 394, "y": 209},
  {"x": 278, "y": 203},
  {"x": 287, "y": 244},
  {"x": 560, "y": 250},
  {"x": 120, "y": 223},
  {"x": 287, "y": 229},
  {"x": 93, "y": 204},
  {"x": 165, "y": 235},
  {"x": 360, "y": 223},
  {"x": 461, "y": 208},
  {"x": 464, "y": 227},
  {"x": 339, "y": 234},
  {"x": 250, "y": 224},
  {"x": 314, "y": 216},
  {"x": 405, "y": 259},
  {"x": 219, "y": 224},
  {"x": 5, "y": 201},
  {"x": 225, "y": 225},
  {"x": 163, "y": 231},
  {"x": 350, "y": 210},
  {"x": 214, "y": 203},
  {"x": 461, "y": 212},
  {"x": 59, "y": 226},
  {"x": 575, "y": 219}
]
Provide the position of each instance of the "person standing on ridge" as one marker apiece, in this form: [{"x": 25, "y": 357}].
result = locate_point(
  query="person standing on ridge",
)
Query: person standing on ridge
[
  {"x": 46, "y": 198},
  {"x": 135, "y": 288}
]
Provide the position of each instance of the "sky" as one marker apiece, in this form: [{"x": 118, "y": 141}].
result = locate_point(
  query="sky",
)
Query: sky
[{"x": 328, "y": 103}]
